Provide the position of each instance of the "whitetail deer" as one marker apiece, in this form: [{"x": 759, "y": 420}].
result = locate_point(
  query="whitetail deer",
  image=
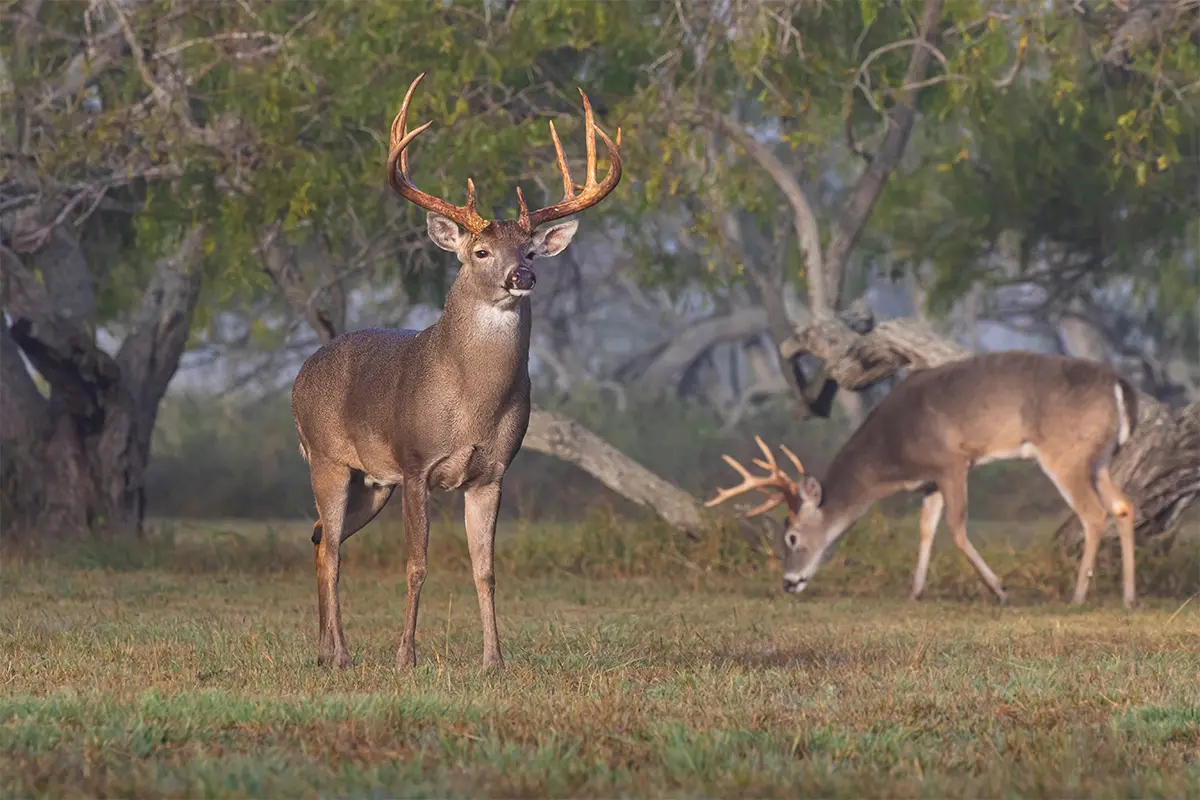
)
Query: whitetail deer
[
  {"x": 443, "y": 408},
  {"x": 1069, "y": 414}
]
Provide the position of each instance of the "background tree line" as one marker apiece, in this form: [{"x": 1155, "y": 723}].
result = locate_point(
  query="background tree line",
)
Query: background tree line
[{"x": 192, "y": 197}]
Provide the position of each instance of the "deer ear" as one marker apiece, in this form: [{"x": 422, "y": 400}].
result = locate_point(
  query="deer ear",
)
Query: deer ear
[
  {"x": 810, "y": 490},
  {"x": 444, "y": 232},
  {"x": 551, "y": 241}
]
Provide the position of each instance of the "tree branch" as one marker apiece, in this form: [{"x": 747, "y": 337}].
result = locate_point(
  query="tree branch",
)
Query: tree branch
[
  {"x": 151, "y": 351},
  {"x": 807, "y": 229},
  {"x": 870, "y": 184},
  {"x": 24, "y": 413},
  {"x": 561, "y": 437},
  {"x": 668, "y": 367},
  {"x": 60, "y": 349}
]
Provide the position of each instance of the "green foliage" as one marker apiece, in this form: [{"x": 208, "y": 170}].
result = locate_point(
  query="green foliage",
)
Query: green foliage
[{"x": 1027, "y": 126}]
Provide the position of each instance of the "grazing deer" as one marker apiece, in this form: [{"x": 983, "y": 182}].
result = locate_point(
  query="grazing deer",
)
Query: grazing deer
[
  {"x": 443, "y": 408},
  {"x": 1068, "y": 414}
]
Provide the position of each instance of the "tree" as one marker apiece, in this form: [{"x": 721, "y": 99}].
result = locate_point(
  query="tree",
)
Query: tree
[
  {"x": 73, "y": 166},
  {"x": 153, "y": 139}
]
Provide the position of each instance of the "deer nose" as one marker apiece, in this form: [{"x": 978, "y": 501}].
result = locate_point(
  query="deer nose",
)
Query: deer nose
[
  {"x": 794, "y": 584},
  {"x": 521, "y": 278}
]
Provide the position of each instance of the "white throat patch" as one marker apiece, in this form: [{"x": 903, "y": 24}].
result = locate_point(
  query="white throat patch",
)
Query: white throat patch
[{"x": 497, "y": 321}]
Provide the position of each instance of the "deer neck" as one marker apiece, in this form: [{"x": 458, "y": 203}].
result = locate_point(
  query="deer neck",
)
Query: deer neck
[
  {"x": 851, "y": 487},
  {"x": 488, "y": 341}
]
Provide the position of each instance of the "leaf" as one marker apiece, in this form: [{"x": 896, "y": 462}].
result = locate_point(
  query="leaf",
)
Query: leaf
[{"x": 869, "y": 10}]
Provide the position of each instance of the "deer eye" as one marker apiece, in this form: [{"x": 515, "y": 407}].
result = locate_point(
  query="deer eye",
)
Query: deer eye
[
  {"x": 481, "y": 254},
  {"x": 791, "y": 540}
]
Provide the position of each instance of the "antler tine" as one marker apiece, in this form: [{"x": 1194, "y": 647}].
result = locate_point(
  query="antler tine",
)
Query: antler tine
[
  {"x": 795, "y": 461},
  {"x": 591, "y": 192},
  {"x": 775, "y": 484},
  {"x": 589, "y": 126},
  {"x": 569, "y": 186},
  {"x": 765, "y": 506},
  {"x": 398, "y": 176}
]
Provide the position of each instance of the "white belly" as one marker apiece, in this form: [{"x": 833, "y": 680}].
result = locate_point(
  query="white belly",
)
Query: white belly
[{"x": 1025, "y": 452}]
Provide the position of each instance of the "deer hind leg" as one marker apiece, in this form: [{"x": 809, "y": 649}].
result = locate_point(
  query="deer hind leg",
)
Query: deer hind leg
[
  {"x": 416, "y": 532},
  {"x": 954, "y": 490},
  {"x": 1120, "y": 506},
  {"x": 1073, "y": 477},
  {"x": 363, "y": 504},
  {"x": 331, "y": 485},
  {"x": 931, "y": 514},
  {"x": 482, "y": 508}
]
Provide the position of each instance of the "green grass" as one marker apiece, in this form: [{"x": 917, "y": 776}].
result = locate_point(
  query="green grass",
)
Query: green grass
[{"x": 638, "y": 664}]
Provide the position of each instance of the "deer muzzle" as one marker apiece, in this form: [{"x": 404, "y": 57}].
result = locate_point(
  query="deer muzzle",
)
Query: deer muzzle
[
  {"x": 520, "y": 281},
  {"x": 794, "y": 583}
]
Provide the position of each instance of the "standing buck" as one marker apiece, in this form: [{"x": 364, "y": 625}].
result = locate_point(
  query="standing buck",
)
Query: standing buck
[
  {"x": 1068, "y": 414},
  {"x": 443, "y": 408}
]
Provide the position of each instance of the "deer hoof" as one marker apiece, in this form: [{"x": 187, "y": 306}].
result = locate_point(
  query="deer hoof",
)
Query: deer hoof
[
  {"x": 406, "y": 658},
  {"x": 339, "y": 659}
]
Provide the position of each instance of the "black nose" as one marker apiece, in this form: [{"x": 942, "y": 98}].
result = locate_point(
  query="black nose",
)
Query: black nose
[
  {"x": 792, "y": 587},
  {"x": 520, "y": 278}
]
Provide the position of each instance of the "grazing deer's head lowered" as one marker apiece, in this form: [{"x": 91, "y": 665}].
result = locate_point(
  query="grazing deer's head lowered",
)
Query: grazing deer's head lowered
[
  {"x": 442, "y": 408},
  {"x": 497, "y": 256},
  {"x": 1068, "y": 414},
  {"x": 801, "y": 542}
]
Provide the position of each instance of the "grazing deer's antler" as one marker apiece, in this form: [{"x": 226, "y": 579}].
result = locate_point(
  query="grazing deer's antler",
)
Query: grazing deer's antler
[
  {"x": 775, "y": 484},
  {"x": 591, "y": 192},
  {"x": 401, "y": 138}
]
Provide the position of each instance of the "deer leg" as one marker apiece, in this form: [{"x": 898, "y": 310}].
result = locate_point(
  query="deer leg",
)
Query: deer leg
[
  {"x": 416, "y": 532},
  {"x": 330, "y": 482},
  {"x": 954, "y": 491},
  {"x": 1077, "y": 488},
  {"x": 931, "y": 514},
  {"x": 365, "y": 504},
  {"x": 482, "y": 508},
  {"x": 1121, "y": 508}
]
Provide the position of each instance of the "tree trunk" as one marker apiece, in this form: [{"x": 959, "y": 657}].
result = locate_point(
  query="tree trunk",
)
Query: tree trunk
[
  {"x": 75, "y": 461},
  {"x": 1158, "y": 467}
]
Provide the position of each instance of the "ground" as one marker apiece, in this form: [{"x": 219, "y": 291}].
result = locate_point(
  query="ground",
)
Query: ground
[{"x": 635, "y": 667}]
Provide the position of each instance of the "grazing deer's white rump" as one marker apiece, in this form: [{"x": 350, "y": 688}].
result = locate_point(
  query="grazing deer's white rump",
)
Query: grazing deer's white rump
[{"x": 1068, "y": 414}]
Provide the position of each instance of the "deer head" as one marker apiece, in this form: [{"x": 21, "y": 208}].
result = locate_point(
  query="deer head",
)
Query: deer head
[
  {"x": 497, "y": 255},
  {"x": 803, "y": 540}
]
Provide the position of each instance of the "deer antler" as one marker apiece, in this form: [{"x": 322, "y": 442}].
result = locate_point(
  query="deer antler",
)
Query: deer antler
[
  {"x": 399, "y": 178},
  {"x": 775, "y": 484},
  {"x": 591, "y": 192}
]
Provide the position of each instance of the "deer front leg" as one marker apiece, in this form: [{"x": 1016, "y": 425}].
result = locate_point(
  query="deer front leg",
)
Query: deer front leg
[
  {"x": 482, "y": 508},
  {"x": 416, "y": 532},
  {"x": 931, "y": 514},
  {"x": 330, "y": 484},
  {"x": 954, "y": 494}
]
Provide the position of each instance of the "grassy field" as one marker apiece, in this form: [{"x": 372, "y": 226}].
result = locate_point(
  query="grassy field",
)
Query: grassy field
[{"x": 638, "y": 664}]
